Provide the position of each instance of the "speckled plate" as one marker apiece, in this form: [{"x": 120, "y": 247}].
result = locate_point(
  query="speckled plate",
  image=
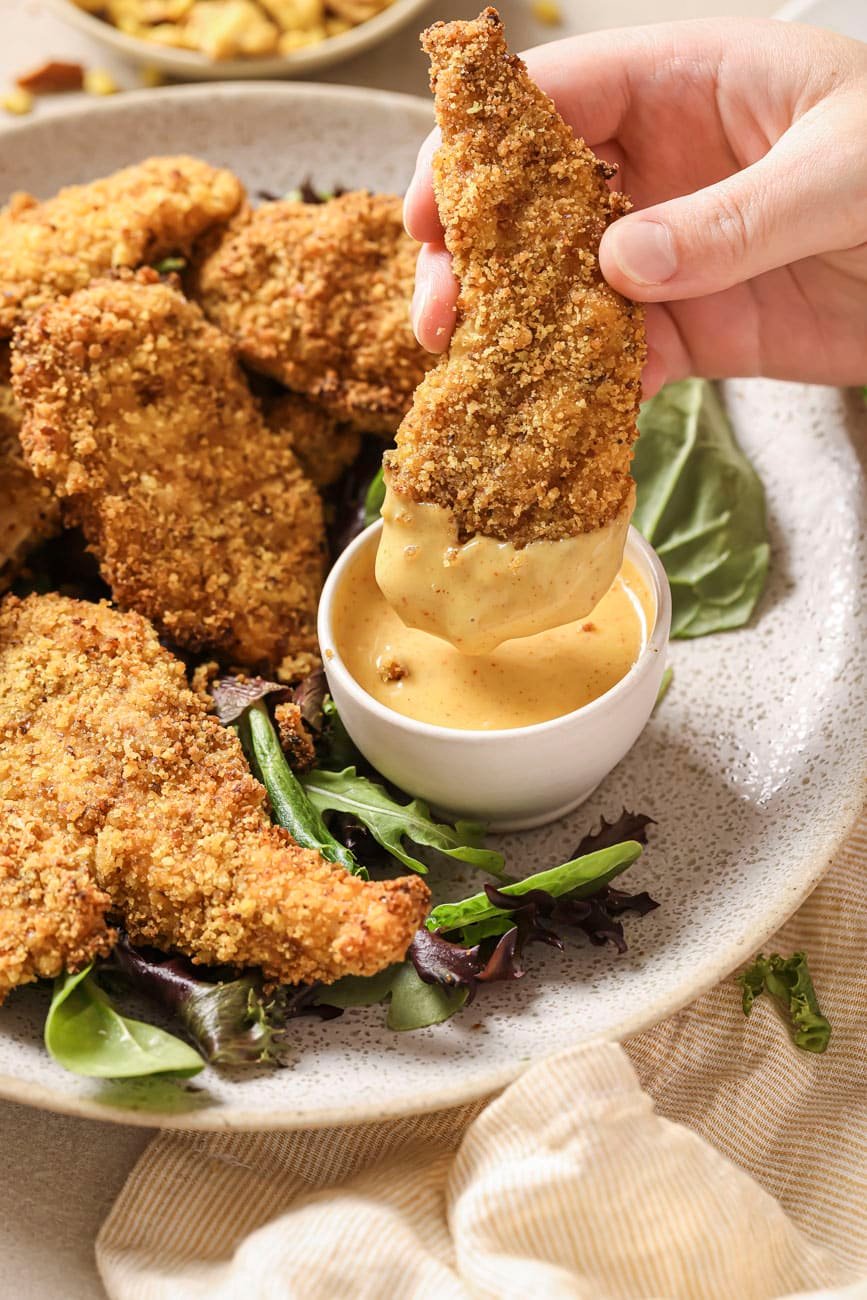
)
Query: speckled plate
[{"x": 753, "y": 766}]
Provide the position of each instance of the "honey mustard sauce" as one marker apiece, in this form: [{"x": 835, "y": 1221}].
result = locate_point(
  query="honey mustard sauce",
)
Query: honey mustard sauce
[
  {"x": 483, "y": 592},
  {"x": 522, "y": 681}
]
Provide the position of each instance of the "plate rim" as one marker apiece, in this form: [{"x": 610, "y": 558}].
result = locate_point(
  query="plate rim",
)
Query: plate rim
[{"x": 225, "y": 1117}]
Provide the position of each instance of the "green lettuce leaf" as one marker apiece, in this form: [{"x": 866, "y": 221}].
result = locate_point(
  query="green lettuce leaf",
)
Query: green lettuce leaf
[
  {"x": 85, "y": 1034},
  {"x": 580, "y": 877},
  {"x": 390, "y": 822},
  {"x": 412, "y": 1004},
  {"x": 788, "y": 981},
  {"x": 701, "y": 505}
]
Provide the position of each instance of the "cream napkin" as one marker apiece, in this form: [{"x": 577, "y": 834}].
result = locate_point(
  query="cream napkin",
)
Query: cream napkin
[{"x": 704, "y": 1158}]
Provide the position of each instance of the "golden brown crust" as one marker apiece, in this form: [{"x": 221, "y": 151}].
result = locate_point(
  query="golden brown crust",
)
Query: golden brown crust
[
  {"x": 133, "y": 217},
  {"x": 317, "y": 296},
  {"x": 136, "y": 412},
  {"x": 324, "y": 447},
  {"x": 118, "y": 790},
  {"x": 29, "y": 513},
  {"x": 524, "y": 430}
]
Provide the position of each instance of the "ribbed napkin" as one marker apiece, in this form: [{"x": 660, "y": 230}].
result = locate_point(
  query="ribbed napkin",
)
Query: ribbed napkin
[{"x": 704, "y": 1158}]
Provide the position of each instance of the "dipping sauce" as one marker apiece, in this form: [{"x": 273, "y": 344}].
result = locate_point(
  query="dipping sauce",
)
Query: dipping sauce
[
  {"x": 522, "y": 682},
  {"x": 482, "y": 592}
]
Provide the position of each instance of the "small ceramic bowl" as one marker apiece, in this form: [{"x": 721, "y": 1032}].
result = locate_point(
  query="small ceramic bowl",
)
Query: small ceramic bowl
[
  {"x": 511, "y": 779},
  {"x": 190, "y": 65}
]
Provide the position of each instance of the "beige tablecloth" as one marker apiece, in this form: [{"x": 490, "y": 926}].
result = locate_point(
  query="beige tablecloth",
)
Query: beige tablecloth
[{"x": 706, "y": 1158}]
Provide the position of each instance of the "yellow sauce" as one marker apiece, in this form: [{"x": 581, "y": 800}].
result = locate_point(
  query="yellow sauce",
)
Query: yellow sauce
[
  {"x": 522, "y": 682},
  {"x": 480, "y": 593}
]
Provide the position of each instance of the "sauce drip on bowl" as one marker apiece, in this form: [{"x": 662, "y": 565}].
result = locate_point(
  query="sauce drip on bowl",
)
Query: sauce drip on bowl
[{"x": 524, "y": 681}]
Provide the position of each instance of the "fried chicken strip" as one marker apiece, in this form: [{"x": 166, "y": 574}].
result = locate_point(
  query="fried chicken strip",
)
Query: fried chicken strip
[
  {"x": 119, "y": 792},
  {"x": 29, "y": 514},
  {"x": 317, "y": 296},
  {"x": 524, "y": 430},
  {"x": 324, "y": 447},
  {"x": 136, "y": 412},
  {"x": 133, "y": 217},
  {"x": 508, "y": 494}
]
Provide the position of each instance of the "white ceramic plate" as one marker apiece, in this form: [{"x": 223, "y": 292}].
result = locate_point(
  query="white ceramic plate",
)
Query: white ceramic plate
[
  {"x": 753, "y": 766},
  {"x": 189, "y": 65}
]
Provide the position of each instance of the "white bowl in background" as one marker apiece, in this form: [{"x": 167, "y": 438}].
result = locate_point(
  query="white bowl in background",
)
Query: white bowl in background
[
  {"x": 511, "y": 779},
  {"x": 189, "y": 65}
]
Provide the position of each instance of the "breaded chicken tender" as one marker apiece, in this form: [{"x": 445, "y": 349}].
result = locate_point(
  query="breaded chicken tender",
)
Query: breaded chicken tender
[
  {"x": 131, "y": 218},
  {"x": 524, "y": 430},
  {"x": 137, "y": 414},
  {"x": 29, "y": 514},
  {"x": 120, "y": 793},
  {"x": 317, "y": 296},
  {"x": 324, "y": 447}
]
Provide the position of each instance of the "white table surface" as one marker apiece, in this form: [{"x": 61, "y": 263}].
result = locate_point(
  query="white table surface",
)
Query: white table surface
[{"x": 59, "y": 1176}]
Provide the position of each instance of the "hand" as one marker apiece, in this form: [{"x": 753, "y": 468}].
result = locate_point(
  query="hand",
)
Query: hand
[{"x": 742, "y": 146}]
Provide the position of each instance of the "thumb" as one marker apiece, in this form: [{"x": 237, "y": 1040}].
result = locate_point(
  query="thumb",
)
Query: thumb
[{"x": 790, "y": 205}]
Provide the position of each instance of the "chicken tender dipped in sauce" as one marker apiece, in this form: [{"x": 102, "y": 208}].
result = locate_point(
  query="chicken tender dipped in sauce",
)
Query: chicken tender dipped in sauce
[{"x": 509, "y": 492}]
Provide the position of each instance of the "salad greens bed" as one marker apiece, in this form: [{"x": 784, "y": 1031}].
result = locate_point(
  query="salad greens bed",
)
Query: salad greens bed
[{"x": 701, "y": 504}]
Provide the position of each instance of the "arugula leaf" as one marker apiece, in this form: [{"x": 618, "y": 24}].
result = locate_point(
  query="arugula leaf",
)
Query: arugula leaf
[
  {"x": 389, "y": 821},
  {"x": 85, "y": 1034},
  {"x": 788, "y": 981},
  {"x": 580, "y": 877},
  {"x": 336, "y": 748},
  {"x": 374, "y": 498},
  {"x": 701, "y": 505},
  {"x": 290, "y": 802}
]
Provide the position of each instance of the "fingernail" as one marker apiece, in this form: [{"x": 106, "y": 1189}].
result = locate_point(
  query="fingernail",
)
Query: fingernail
[{"x": 644, "y": 251}]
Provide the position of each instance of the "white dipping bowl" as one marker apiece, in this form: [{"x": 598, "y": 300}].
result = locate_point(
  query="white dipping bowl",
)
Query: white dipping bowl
[{"x": 515, "y": 778}]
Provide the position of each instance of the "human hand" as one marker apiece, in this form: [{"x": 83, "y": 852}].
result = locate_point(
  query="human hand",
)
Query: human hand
[{"x": 742, "y": 145}]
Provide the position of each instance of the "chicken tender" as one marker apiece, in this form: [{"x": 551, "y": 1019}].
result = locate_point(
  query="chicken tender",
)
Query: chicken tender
[
  {"x": 120, "y": 793},
  {"x": 324, "y": 447},
  {"x": 317, "y": 296},
  {"x": 137, "y": 414},
  {"x": 524, "y": 430},
  {"x": 136, "y": 216},
  {"x": 29, "y": 513}
]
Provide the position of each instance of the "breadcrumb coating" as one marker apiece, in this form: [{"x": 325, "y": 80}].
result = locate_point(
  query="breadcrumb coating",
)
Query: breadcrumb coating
[
  {"x": 133, "y": 217},
  {"x": 29, "y": 514},
  {"x": 324, "y": 447},
  {"x": 119, "y": 792},
  {"x": 525, "y": 428},
  {"x": 318, "y": 296},
  {"x": 137, "y": 413}
]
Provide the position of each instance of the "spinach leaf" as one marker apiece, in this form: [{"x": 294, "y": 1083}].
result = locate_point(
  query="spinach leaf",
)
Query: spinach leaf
[
  {"x": 85, "y": 1034},
  {"x": 701, "y": 505},
  {"x": 412, "y": 1004},
  {"x": 292, "y": 807},
  {"x": 389, "y": 822},
  {"x": 580, "y": 877},
  {"x": 788, "y": 980}
]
